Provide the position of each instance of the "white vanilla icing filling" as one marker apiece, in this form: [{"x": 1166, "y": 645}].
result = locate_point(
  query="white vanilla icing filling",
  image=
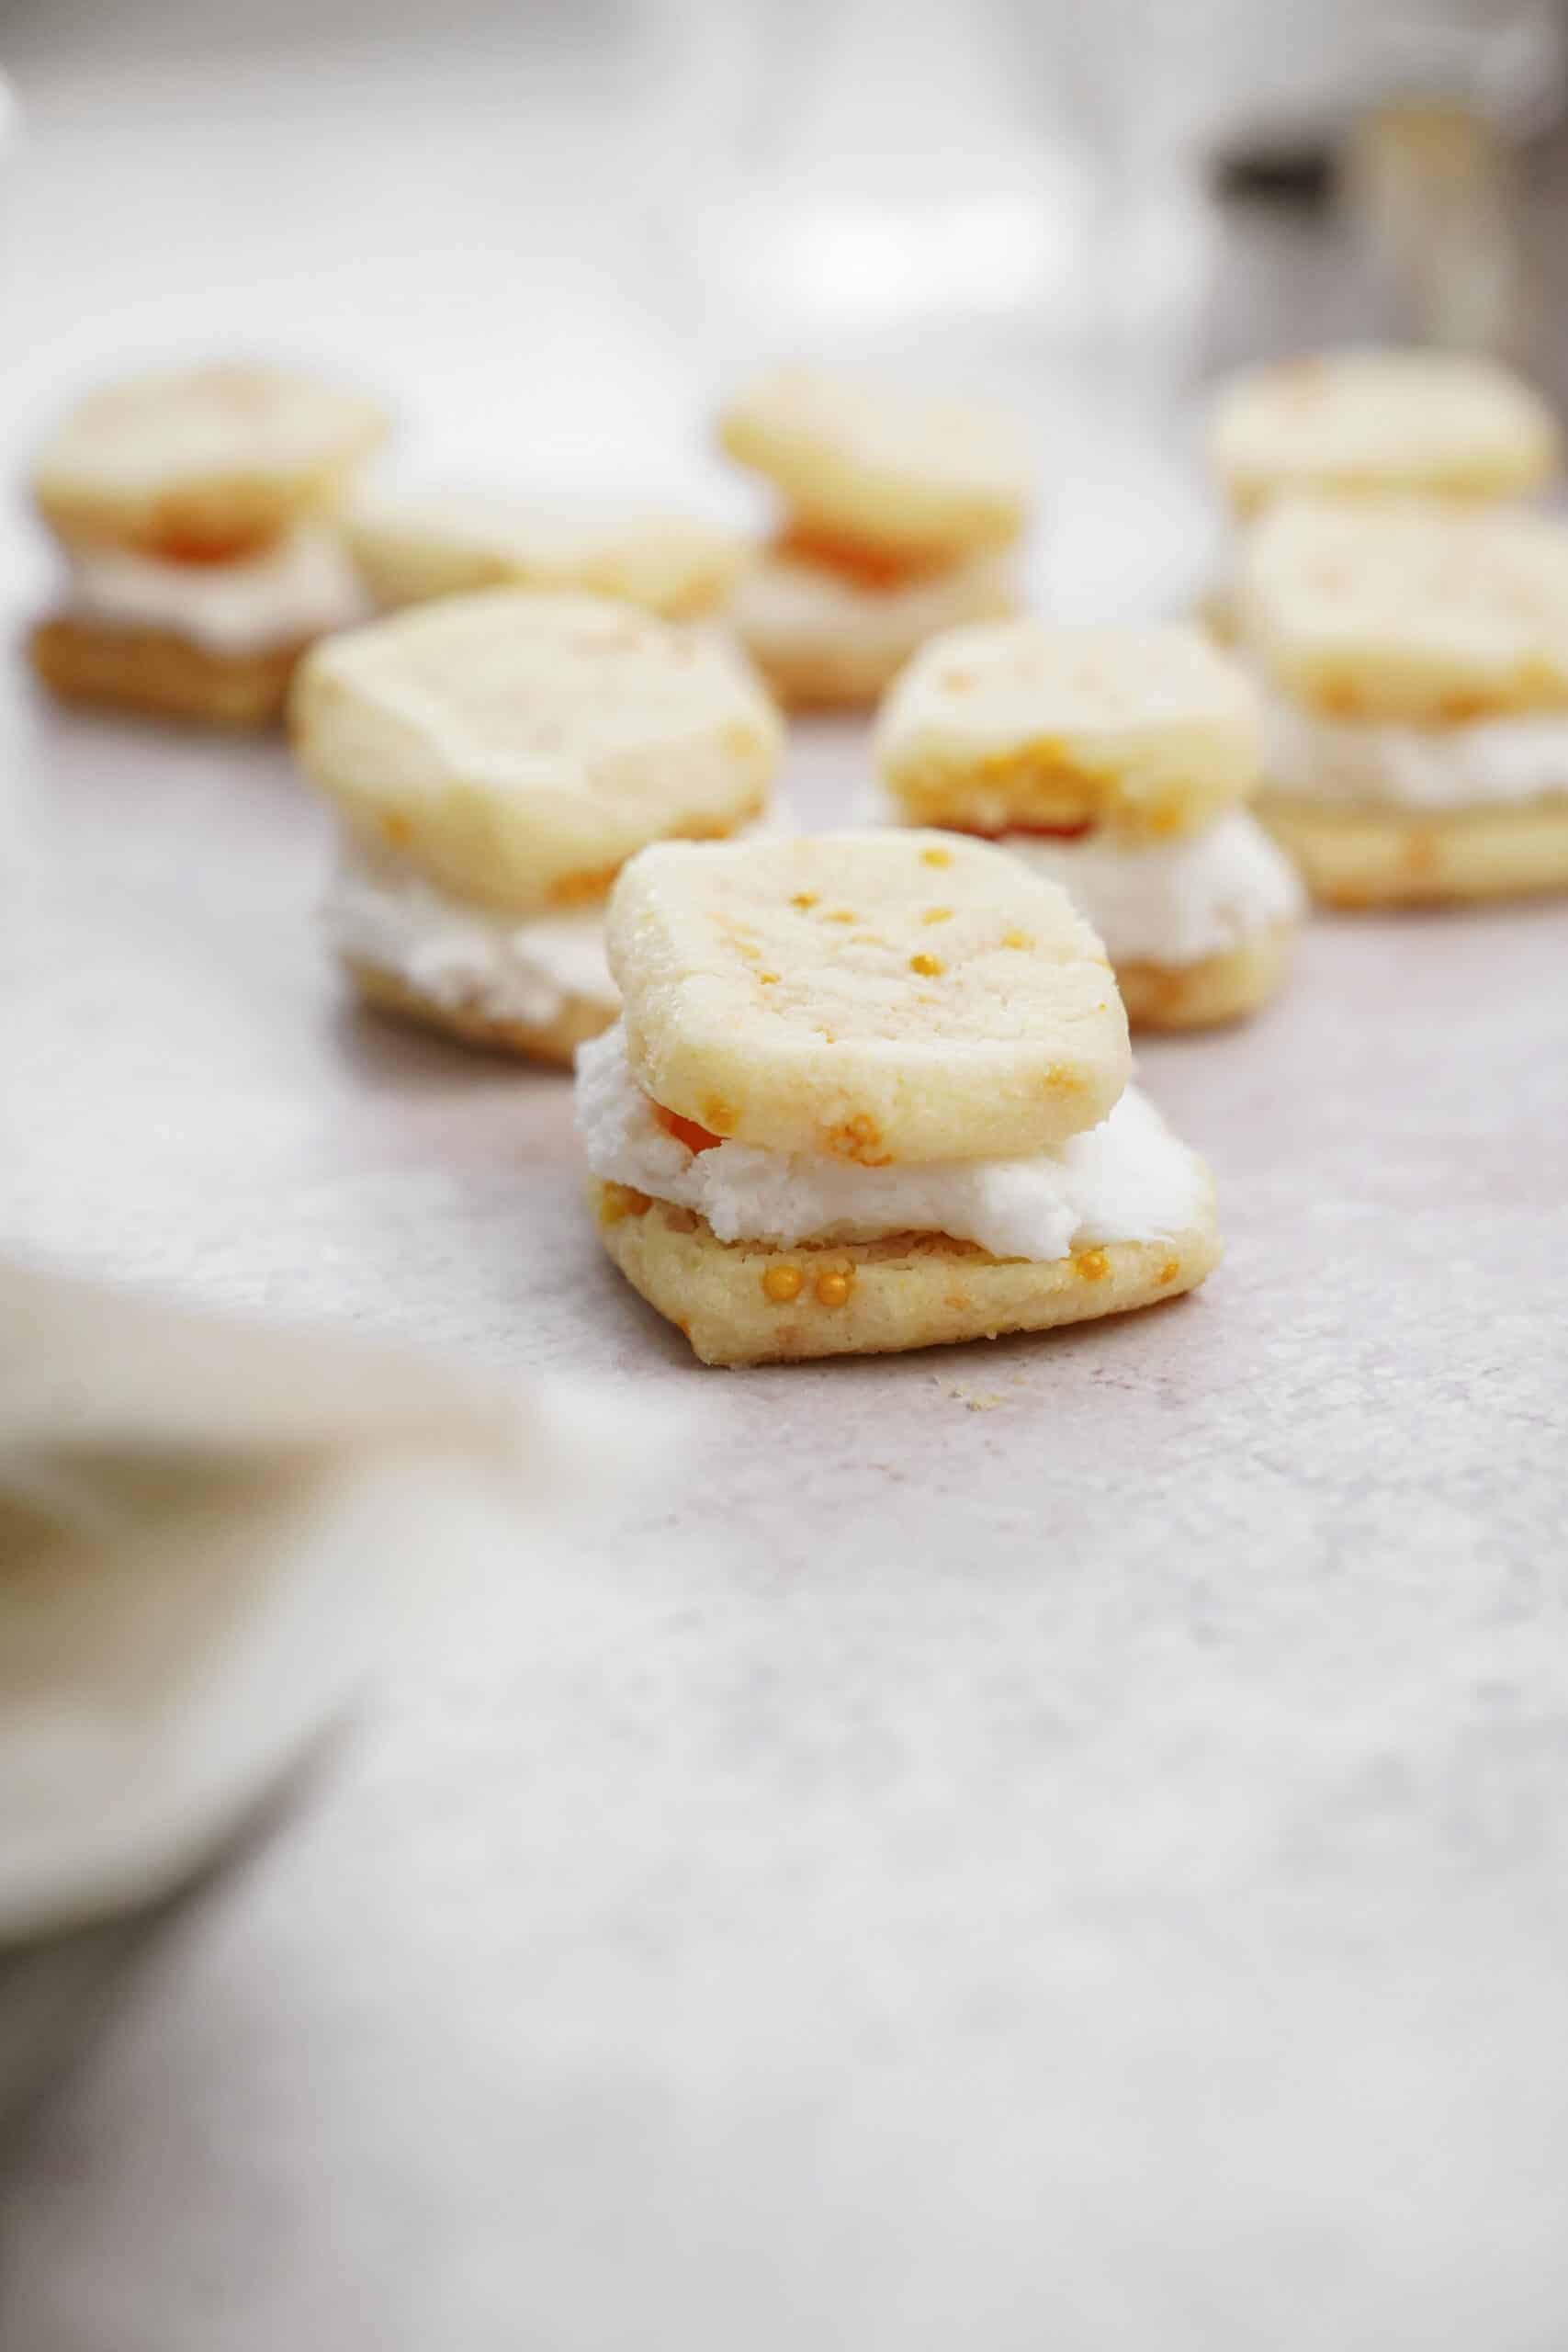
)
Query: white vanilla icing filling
[
  {"x": 1127, "y": 1180},
  {"x": 1479, "y": 761},
  {"x": 507, "y": 967},
  {"x": 1176, "y": 902},
  {"x": 782, "y": 602},
  {"x": 300, "y": 587}
]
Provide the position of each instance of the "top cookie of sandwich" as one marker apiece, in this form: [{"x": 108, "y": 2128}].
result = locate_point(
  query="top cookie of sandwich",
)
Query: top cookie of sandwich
[
  {"x": 870, "y": 465},
  {"x": 414, "y": 545},
  {"x": 1014, "y": 726},
  {"x": 518, "y": 749},
  {"x": 874, "y": 997},
  {"x": 1408, "y": 613},
  {"x": 203, "y": 463},
  {"x": 1352, "y": 422}
]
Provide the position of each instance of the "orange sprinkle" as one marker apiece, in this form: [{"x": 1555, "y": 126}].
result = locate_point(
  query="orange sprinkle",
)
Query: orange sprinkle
[
  {"x": 1092, "y": 1265},
  {"x": 617, "y": 1201},
  {"x": 936, "y": 858},
  {"x": 928, "y": 967},
  {"x": 1017, "y": 939},
  {"x": 841, "y": 914},
  {"x": 695, "y": 1138},
  {"x": 780, "y": 1283},
  {"x": 937, "y": 914},
  {"x": 1170, "y": 1269},
  {"x": 833, "y": 1289},
  {"x": 804, "y": 898},
  {"x": 767, "y": 980}
]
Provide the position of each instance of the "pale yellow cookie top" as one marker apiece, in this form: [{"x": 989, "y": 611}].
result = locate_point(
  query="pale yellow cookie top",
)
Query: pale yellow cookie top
[
  {"x": 1147, "y": 730},
  {"x": 877, "y": 997},
  {"x": 1409, "y": 612},
  {"x": 410, "y": 545},
  {"x": 517, "y": 748},
  {"x": 1351, "y": 422},
  {"x": 879, "y": 465},
  {"x": 202, "y": 459}
]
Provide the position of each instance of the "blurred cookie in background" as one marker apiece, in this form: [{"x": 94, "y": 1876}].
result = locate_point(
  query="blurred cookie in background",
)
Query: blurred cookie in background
[
  {"x": 1415, "y": 663},
  {"x": 1374, "y": 424},
  {"x": 901, "y": 516},
  {"x": 495, "y": 761},
  {"x": 195, "y": 513},
  {"x": 412, "y": 546}
]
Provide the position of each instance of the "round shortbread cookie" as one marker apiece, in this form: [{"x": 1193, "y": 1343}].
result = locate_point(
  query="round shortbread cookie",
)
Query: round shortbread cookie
[
  {"x": 1355, "y": 423},
  {"x": 1148, "y": 731},
  {"x": 882, "y": 467},
  {"x": 1220, "y": 988},
  {"x": 1406, "y": 611},
  {"x": 202, "y": 463},
  {"x": 743, "y": 1302},
  {"x": 518, "y": 749},
  {"x": 1364, "y": 856},
  {"x": 555, "y": 1041},
  {"x": 412, "y": 546},
  {"x": 159, "y": 674},
  {"x": 822, "y": 640},
  {"x": 876, "y": 997}
]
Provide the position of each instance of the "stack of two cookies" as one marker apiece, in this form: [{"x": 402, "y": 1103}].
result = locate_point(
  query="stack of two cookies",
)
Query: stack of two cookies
[
  {"x": 1115, "y": 761},
  {"x": 1414, "y": 661},
  {"x": 869, "y": 1092},
  {"x": 901, "y": 517},
  {"x": 197, "y": 514},
  {"x": 493, "y": 762}
]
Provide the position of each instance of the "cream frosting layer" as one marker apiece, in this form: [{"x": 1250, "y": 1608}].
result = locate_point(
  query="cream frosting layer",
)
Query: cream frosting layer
[
  {"x": 1127, "y": 1180},
  {"x": 1179, "y": 901},
  {"x": 784, "y": 607},
  {"x": 509, "y": 968},
  {"x": 302, "y": 586},
  {"x": 1480, "y": 763}
]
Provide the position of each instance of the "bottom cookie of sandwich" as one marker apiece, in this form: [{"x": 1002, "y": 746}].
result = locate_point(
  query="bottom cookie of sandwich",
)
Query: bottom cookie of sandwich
[
  {"x": 1367, "y": 857},
  {"x": 160, "y": 674},
  {"x": 748, "y": 1302},
  {"x": 557, "y": 1039},
  {"x": 1224, "y": 986}
]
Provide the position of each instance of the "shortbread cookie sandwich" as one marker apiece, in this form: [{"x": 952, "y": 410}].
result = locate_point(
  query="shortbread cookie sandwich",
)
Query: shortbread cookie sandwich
[
  {"x": 1374, "y": 424},
  {"x": 1116, "y": 762},
  {"x": 900, "y": 515},
  {"x": 1414, "y": 660},
  {"x": 493, "y": 761},
  {"x": 869, "y": 1092},
  {"x": 195, "y": 513},
  {"x": 411, "y": 546}
]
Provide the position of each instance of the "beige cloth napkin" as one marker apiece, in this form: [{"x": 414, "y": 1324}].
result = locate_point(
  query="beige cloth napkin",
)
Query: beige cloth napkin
[{"x": 205, "y": 1529}]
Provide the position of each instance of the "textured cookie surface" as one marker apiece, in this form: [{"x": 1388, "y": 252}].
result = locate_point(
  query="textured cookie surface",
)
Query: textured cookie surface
[
  {"x": 203, "y": 463},
  {"x": 819, "y": 637},
  {"x": 1151, "y": 732},
  {"x": 411, "y": 546},
  {"x": 1389, "y": 857},
  {"x": 1408, "y": 611},
  {"x": 518, "y": 748},
  {"x": 743, "y": 1303},
  {"x": 874, "y": 996},
  {"x": 883, "y": 467},
  {"x": 159, "y": 674},
  {"x": 1369, "y": 420}
]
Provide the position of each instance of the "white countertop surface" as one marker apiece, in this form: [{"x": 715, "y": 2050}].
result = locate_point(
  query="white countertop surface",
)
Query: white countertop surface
[{"x": 1060, "y": 1843}]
